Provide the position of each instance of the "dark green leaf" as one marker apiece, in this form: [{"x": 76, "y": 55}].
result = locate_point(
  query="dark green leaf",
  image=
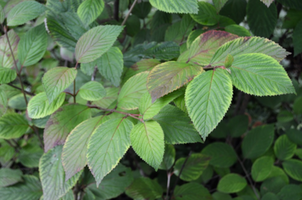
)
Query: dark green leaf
[
  {"x": 9, "y": 176},
  {"x": 234, "y": 9},
  {"x": 291, "y": 191},
  {"x": 169, "y": 157},
  {"x": 295, "y": 136},
  {"x": 12, "y": 125},
  {"x": 206, "y": 14},
  {"x": 231, "y": 183},
  {"x": 191, "y": 191},
  {"x": 297, "y": 39},
  {"x": 273, "y": 185},
  {"x": 293, "y": 168},
  {"x": 284, "y": 148},
  {"x": 261, "y": 168}
]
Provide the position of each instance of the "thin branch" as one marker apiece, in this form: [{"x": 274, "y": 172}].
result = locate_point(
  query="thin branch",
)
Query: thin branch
[
  {"x": 74, "y": 92},
  {"x": 94, "y": 73},
  {"x": 169, "y": 174},
  {"x": 29, "y": 93},
  {"x": 131, "y": 8}
]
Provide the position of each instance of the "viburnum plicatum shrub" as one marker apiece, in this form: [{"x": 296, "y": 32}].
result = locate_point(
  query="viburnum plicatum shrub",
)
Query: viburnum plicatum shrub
[{"x": 81, "y": 85}]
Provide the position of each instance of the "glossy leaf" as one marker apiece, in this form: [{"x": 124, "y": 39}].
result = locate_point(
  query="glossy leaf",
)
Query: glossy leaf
[
  {"x": 52, "y": 175},
  {"x": 23, "y": 12},
  {"x": 206, "y": 14},
  {"x": 296, "y": 39},
  {"x": 9, "y": 176},
  {"x": 39, "y": 106},
  {"x": 284, "y": 148},
  {"x": 92, "y": 91},
  {"x": 57, "y": 80},
  {"x": 6, "y": 58},
  {"x": 293, "y": 168},
  {"x": 61, "y": 123},
  {"x": 7, "y": 75},
  {"x": 107, "y": 145},
  {"x": 170, "y": 76},
  {"x": 231, "y": 183},
  {"x": 176, "y": 6},
  {"x": 147, "y": 140},
  {"x": 12, "y": 125},
  {"x": 95, "y": 42},
  {"x": 208, "y": 97},
  {"x": 191, "y": 191},
  {"x": 262, "y": 168},
  {"x": 89, "y": 10},
  {"x": 32, "y": 46}
]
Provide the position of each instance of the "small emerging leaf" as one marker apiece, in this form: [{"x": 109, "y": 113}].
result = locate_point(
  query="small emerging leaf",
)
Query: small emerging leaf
[{"x": 228, "y": 61}]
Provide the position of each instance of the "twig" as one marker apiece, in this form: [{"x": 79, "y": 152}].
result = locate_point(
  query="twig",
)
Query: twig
[
  {"x": 94, "y": 74},
  {"x": 131, "y": 8},
  {"x": 29, "y": 93},
  {"x": 74, "y": 91},
  {"x": 169, "y": 174}
]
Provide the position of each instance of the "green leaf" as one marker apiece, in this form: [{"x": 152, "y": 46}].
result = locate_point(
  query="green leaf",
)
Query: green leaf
[
  {"x": 95, "y": 42},
  {"x": 28, "y": 190},
  {"x": 203, "y": 48},
  {"x": 295, "y": 136},
  {"x": 23, "y": 12},
  {"x": 30, "y": 155},
  {"x": 144, "y": 188},
  {"x": 291, "y": 19},
  {"x": 193, "y": 35},
  {"x": 32, "y": 46},
  {"x": 129, "y": 96},
  {"x": 221, "y": 196},
  {"x": 297, "y": 41},
  {"x": 291, "y": 191},
  {"x": 228, "y": 61},
  {"x": 277, "y": 171},
  {"x": 169, "y": 76},
  {"x": 175, "y": 6},
  {"x": 6, "y": 58},
  {"x": 237, "y": 30},
  {"x": 273, "y": 185},
  {"x": 92, "y": 91},
  {"x": 219, "y": 4},
  {"x": 52, "y": 175},
  {"x": 111, "y": 96},
  {"x": 208, "y": 97},
  {"x": 12, "y": 125},
  {"x": 260, "y": 75},
  {"x": 177, "y": 126},
  {"x": 261, "y": 19},
  {"x": 293, "y": 168},
  {"x": 9, "y": 176},
  {"x": 296, "y": 4},
  {"x": 206, "y": 14},
  {"x": 107, "y": 145},
  {"x": 258, "y": 141},
  {"x": 7, "y": 75},
  {"x": 261, "y": 168},
  {"x": 193, "y": 167},
  {"x": 89, "y": 10},
  {"x": 169, "y": 157},
  {"x": 111, "y": 65},
  {"x": 61, "y": 123},
  {"x": 2, "y": 16},
  {"x": 57, "y": 80},
  {"x": 142, "y": 9},
  {"x": 221, "y": 154},
  {"x": 133, "y": 25},
  {"x": 39, "y": 106},
  {"x": 191, "y": 191},
  {"x": 238, "y": 125},
  {"x": 75, "y": 148},
  {"x": 270, "y": 196},
  {"x": 147, "y": 140},
  {"x": 297, "y": 107},
  {"x": 284, "y": 149},
  {"x": 231, "y": 183},
  {"x": 18, "y": 102},
  {"x": 3, "y": 102},
  {"x": 234, "y": 9}
]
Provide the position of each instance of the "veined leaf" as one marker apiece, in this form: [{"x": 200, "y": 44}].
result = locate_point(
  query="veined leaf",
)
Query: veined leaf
[
  {"x": 140, "y": 66},
  {"x": 177, "y": 126},
  {"x": 234, "y": 9},
  {"x": 206, "y": 14},
  {"x": 291, "y": 191},
  {"x": 147, "y": 140},
  {"x": 176, "y": 6},
  {"x": 111, "y": 65},
  {"x": 107, "y": 145},
  {"x": 32, "y": 46},
  {"x": 293, "y": 168},
  {"x": 169, "y": 157},
  {"x": 92, "y": 91},
  {"x": 57, "y": 80},
  {"x": 9, "y": 177},
  {"x": 111, "y": 96},
  {"x": 61, "y": 123},
  {"x": 260, "y": 75},
  {"x": 95, "y": 42},
  {"x": 284, "y": 148},
  {"x": 89, "y": 10},
  {"x": 63, "y": 6},
  {"x": 6, "y": 58},
  {"x": 170, "y": 76},
  {"x": 203, "y": 47},
  {"x": 208, "y": 97},
  {"x": 23, "y": 12},
  {"x": 75, "y": 148},
  {"x": 3, "y": 102},
  {"x": 192, "y": 191},
  {"x": 12, "y": 125},
  {"x": 231, "y": 183},
  {"x": 237, "y": 30},
  {"x": 219, "y": 4},
  {"x": 7, "y": 75},
  {"x": 30, "y": 155},
  {"x": 129, "y": 96},
  {"x": 52, "y": 175},
  {"x": 262, "y": 168}
]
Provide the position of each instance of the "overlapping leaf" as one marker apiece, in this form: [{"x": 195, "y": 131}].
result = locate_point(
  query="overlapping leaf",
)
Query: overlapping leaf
[
  {"x": 262, "y": 168},
  {"x": 92, "y": 91},
  {"x": 141, "y": 66},
  {"x": 176, "y": 6},
  {"x": 191, "y": 191},
  {"x": 231, "y": 183},
  {"x": 284, "y": 148},
  {"x": 89, "y": 10},
  {"x": 9, "y": 176},
  {"x": 111, "y": 96},
  {"x": 7, "y": 75},
  {"x": 12, "y": 125},
  {"x": 6, "y": 58},
  {"x": 293, "y": 168},
  {"x": 206, "y": 14},
  {"x": 107, "y": 146},
  {"x": 208, "y": 97}
]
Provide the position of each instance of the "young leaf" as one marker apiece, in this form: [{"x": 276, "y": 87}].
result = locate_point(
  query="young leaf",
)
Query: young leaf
[
  {"x": 203, "y": 48},
  {"x": 191, "y": 191},
  {"x": 231, "y": 183},
  {"x": 92, "y": 91},
  {"x": 177, "y": 126},
  {"x": 261, "y": 75},
  {"x": 9, "y": 176},
  {"x": 12, "y": 125},
  {"x": 169, "y": 157},
  {"x": 7, "y": 75},
  {"x": 75, "y": 148},
  {"x": 208, "y": 97},
  {"x": 284, "y": 148},
  {"x": 228, "y": 61},
  {"x": 129, "y": 96},
  {"x": 147, "y": 140},
  {"x": 206, "y": 14},
  {"x": 39, "y": 106},
  {"x": 107, "y": 145},
  {"x": 95, "y": 42},
  {"x": 23, "y": 12},
  {"x": 176, "y": 6},
  {"x": 6, "y": 58},
  {"x": 32, "y": 46},
  {"x": 52, "y": 175},
  {"x": 170, "y": 76},
  {"x": 293, "y": 168},
  {"x": 62, "y": 122},
  {"x": 89, "y": 10},
  {"x": 57, "y": 80},
  {"x": 193, "y": 167}
]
